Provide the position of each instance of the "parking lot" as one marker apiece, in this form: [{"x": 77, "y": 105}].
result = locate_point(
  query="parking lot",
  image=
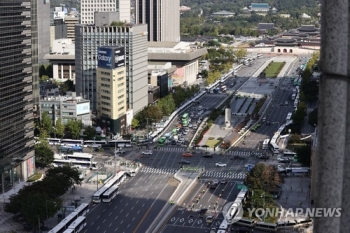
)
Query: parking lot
[{"x": 193, "y": 214}]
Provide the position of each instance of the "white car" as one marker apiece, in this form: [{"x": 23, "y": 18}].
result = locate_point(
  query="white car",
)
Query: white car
[
  {"x": 249, "y": 165},
  {"x": 147, "y": 152},
  {"x": 221, "y": 164}
]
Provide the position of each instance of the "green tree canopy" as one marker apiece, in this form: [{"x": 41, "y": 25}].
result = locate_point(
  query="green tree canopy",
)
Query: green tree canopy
[
  {"x": 44, "y": 156},
  {"x": 166, "y": 105},
  {"x": 46, "y": 122},
  {"x": 135, "y": 123},
  {"x": 90, "y": 132},
  {"x": 263, "y": 177},
  {"x": 240, "y": 53},
  {"x": 59, "y": 128},
  {"x": 74, "y": 128}
]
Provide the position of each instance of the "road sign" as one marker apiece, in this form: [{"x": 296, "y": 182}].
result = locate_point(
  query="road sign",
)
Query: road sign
[{"x": 242, "y": 187}]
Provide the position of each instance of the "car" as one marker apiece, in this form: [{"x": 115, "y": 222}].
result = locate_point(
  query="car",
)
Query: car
[
  {"x": 119, "y": 151},
  {"x": 263, "y": 157},
  {"x": 147, "y": 152},
  {"x": 221, "y": 164},
  {"x": 249, "y": 165},
  {"x": 173, "y": 142},
  {"x": 207, "y": 156},
  {"x": 209, "y": 219},
  {"x": 190, "y": 126},
  {"x": 187, "y": 154},
  {"x": 223, "y": 181},
  {"x": 184, "y": 162},
  {"x": 238, "y": 157},
  {"x": 203, "y": 211}
]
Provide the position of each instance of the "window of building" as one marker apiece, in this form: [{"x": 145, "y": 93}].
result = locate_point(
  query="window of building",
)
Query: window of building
[
  {"x": 121, "y": 102},
  {"x": 120, "y": 79},
  {"x": 121, "y": 96},
  {"x": 121, "y": 84},
  {"x": 105, "y": 73},
  {"x": 121, "y": 108},
  {"x": 105, "y": 85},
  {"x": 120, "y": 72},
  {"x": 105, "y": 79},
  {"x": 121, "y": 90},
  {"x": 105, "y": 103}
]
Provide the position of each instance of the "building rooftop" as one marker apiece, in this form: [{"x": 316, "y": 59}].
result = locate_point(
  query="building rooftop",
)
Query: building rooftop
[
  {"x": 223, "y": 13},
  {"x": 260, "y": 5},
  {"x": 266, "y": 26},
  {"x": 174, "y": 51},
  {"x": 307, "y": 28},
  {"x": 68, "y": 99}
]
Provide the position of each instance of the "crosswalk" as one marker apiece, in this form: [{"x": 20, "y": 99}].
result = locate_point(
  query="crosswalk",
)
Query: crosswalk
[
  {"x": 158, "y": 170},
  {"x": 243, "y": 153},
  {"x": 165, "y": 148},
  {"x": 228, "y": 175}
]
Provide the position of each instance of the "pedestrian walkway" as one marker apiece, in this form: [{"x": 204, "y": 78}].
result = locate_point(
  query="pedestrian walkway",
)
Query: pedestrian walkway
[
  {"x": 243, "y": 153},
  {"x": 158, "y": 170},
  {"x": 228, "y": 175},
  {"x": 179, "y": 149}
]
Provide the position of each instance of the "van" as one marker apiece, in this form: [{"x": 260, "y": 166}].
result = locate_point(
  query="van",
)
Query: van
[
  {"x": 286, "y": 103},
  {"x": 246, "y": 222}
]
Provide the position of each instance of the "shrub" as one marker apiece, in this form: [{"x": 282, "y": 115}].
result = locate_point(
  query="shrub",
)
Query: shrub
[
  {"x": 219, "y": 138},
  {"x": 35, "y": 177},
  {"x": 211, "y": 138}
]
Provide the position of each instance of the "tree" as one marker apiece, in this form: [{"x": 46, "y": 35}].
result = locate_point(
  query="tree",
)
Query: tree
[
  {"x": 46, "y": 122},
  {"x": 312, "y": 120},
  {"x": 49, "y": 71},
  {"x": 74, "y": 128},
  {"x": 42, "y": 71},
  {"x": 69, "y": 174},
  {"x": 68, "y": 86},
  {"x": 59, "y": 128},
  {"x": 153, "y": 112},
  {"x": 135, "y": 123},
  {"x": 166, "y": 105},
  {"x": 240, "y": 53},
  {"x": 44, "y": 78},
  {"x": 304, "y": 155},
  {"x": 44, "y": 156},
  {"x": 263, "y": 177},
  {"x": 90, "y": 132},
  {"x": 43, "y": 136}
]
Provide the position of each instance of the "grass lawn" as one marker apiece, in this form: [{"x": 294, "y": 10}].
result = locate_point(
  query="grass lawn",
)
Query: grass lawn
[
  {"x": 212, "y": 143},
  {"x": 272, "y": 69}
]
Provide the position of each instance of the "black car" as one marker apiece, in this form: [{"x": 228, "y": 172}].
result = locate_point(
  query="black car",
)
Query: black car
[
  {"x": 238, "y": 157},
  {"x": 173, "y": 142},
  {"x": 202, "y": 211},
  {"x": 263, "y": 157},
  {"x": 207, "y": 156},
  {"x": 184, "y": 162}
]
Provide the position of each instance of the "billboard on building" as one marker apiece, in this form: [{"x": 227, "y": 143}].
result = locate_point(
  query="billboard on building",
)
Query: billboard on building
[
  {"x": 110, "y": 57},
  {"x": 30, "y": 167},
  {"x": 83, "y": 108}
]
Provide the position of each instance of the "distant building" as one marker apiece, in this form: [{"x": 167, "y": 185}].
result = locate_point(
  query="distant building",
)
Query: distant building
[
  {"x": 71, "y": 21},
  {"x": 62, "y": 58},
  {"x": 70, "y": 107},
  {"x": 153, "y": 94},
  {"x": 160, "y": 79},
  {"x": 181, "y": 55},
  {"x": 223, "y": 14},
  {"x": 184, "y": 8},
  {"x": 264, "y": 28},
  {"x": 49, "y": 89},
  {"x": 260, "y": 7},
  {"x": 305, "y": 16},
  {"x": 58, "y": 30},
  {"x": 43, "y": 29}
]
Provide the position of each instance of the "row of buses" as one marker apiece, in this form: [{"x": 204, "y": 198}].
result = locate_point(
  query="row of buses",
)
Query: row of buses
[
  {"x": 76, "y": 159},
  {"x": 110, "y": 190},
  {"x": 86, "y": 143},
  {"x": 74, "y": 222}
]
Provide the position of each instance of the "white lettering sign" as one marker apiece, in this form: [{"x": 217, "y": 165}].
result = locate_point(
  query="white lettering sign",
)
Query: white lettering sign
[{"x": 104, "y": 58}]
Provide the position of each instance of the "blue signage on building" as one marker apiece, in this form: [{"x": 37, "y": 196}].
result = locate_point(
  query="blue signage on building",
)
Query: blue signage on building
[{"x": 105, "y": 58}]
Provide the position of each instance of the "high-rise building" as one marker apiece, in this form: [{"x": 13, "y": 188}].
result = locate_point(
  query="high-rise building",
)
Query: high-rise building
[
  {"x": 162, "y": 18},
  {"x": 35, "y": 51},
  {"x": 89, "y": 7},
  {"x": 111, "y": 93},
  {"x": 134, "y": 40},
  {"x": 70, "y": 21},
  {"x": 16, "y": 92},
  {"x": 43, "y": 29}
]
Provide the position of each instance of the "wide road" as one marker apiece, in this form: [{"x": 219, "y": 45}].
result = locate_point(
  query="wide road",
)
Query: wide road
[
  {"x": 187, "y": 219},
  {"x": 140, "y": 200}
]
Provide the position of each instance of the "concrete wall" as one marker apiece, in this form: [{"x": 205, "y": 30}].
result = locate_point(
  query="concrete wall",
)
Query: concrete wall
[{"x": 284, "y": 50}]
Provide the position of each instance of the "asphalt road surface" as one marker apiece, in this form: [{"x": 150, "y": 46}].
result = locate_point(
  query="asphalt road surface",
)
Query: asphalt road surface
[
  {"x": 140, "y": 200},
  {"x": 187, "y": 218}
]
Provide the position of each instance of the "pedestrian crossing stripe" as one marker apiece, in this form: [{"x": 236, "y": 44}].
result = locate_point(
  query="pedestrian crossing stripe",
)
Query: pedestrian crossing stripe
[
  {"x": 243, "y": 153},
  {"x": 224, "y": 175},
  {"x": 158, "y": 170},
  {"x": 181, "y": 149}
]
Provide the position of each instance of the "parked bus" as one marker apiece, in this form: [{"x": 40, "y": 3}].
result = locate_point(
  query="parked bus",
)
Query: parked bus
[
  {"x": 71, "y": 142},
  {"x": 275, "y": 149},
  {"x": 82, "y": 209},
  {"x": 94, "y": 144},
  {"x": 70, "y": 149},
  {"x": 265, "y": 144},
  {"x": 65, "y": 223},
  {"x": 79, "y": 157},
  {"x": 54, "y": 141},
  {"x": 185, "y": 117},
  {"x": 110, "y": 194},
  {"x": 77, "y": 164},
  {"x": 161, "y": 141},
  {"x": 77, "y": 226},
  {"x": 116, "y": 180},
  {"x": 185, "y": 123},
  {"x": 120, "y": 143}
]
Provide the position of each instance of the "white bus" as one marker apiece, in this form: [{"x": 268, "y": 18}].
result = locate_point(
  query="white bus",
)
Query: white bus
[
  {"x": 275, "y": 149},
  {"x": 120, "y": 143},
  {"x": 76, "y": 156},
  {"x": 66, "y": 142},
  {"x": 265, "y": 144},
  {"x": 54, "y": 141},
  {"x": 77, "y": 226},
  {"x": 65, "y": 223},
  {"x": 110, "y": 194},
  {"x": 74, "y": 163},
  {"x": 82, "y": 209},
  {"x": 289, "y": 116},
  {"x": 94, "y": 144},
  {"x": 116, "y": 180}
]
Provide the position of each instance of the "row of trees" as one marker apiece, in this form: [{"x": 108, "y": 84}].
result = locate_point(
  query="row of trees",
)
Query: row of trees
[
  {"x": 42, "y": 199},
  {"x": 45, "y": 72},
  {"x": 164, "y": 106}
]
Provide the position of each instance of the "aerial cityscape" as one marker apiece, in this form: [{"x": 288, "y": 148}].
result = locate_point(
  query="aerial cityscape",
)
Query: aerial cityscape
[{"x": 147, "y": 116}]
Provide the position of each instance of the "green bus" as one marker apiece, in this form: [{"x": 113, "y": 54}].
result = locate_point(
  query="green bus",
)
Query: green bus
[
  {"x": 185, "y": 123},
  {"x": 185, "y": 117},
  {"x": 161, "y": 141}
]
